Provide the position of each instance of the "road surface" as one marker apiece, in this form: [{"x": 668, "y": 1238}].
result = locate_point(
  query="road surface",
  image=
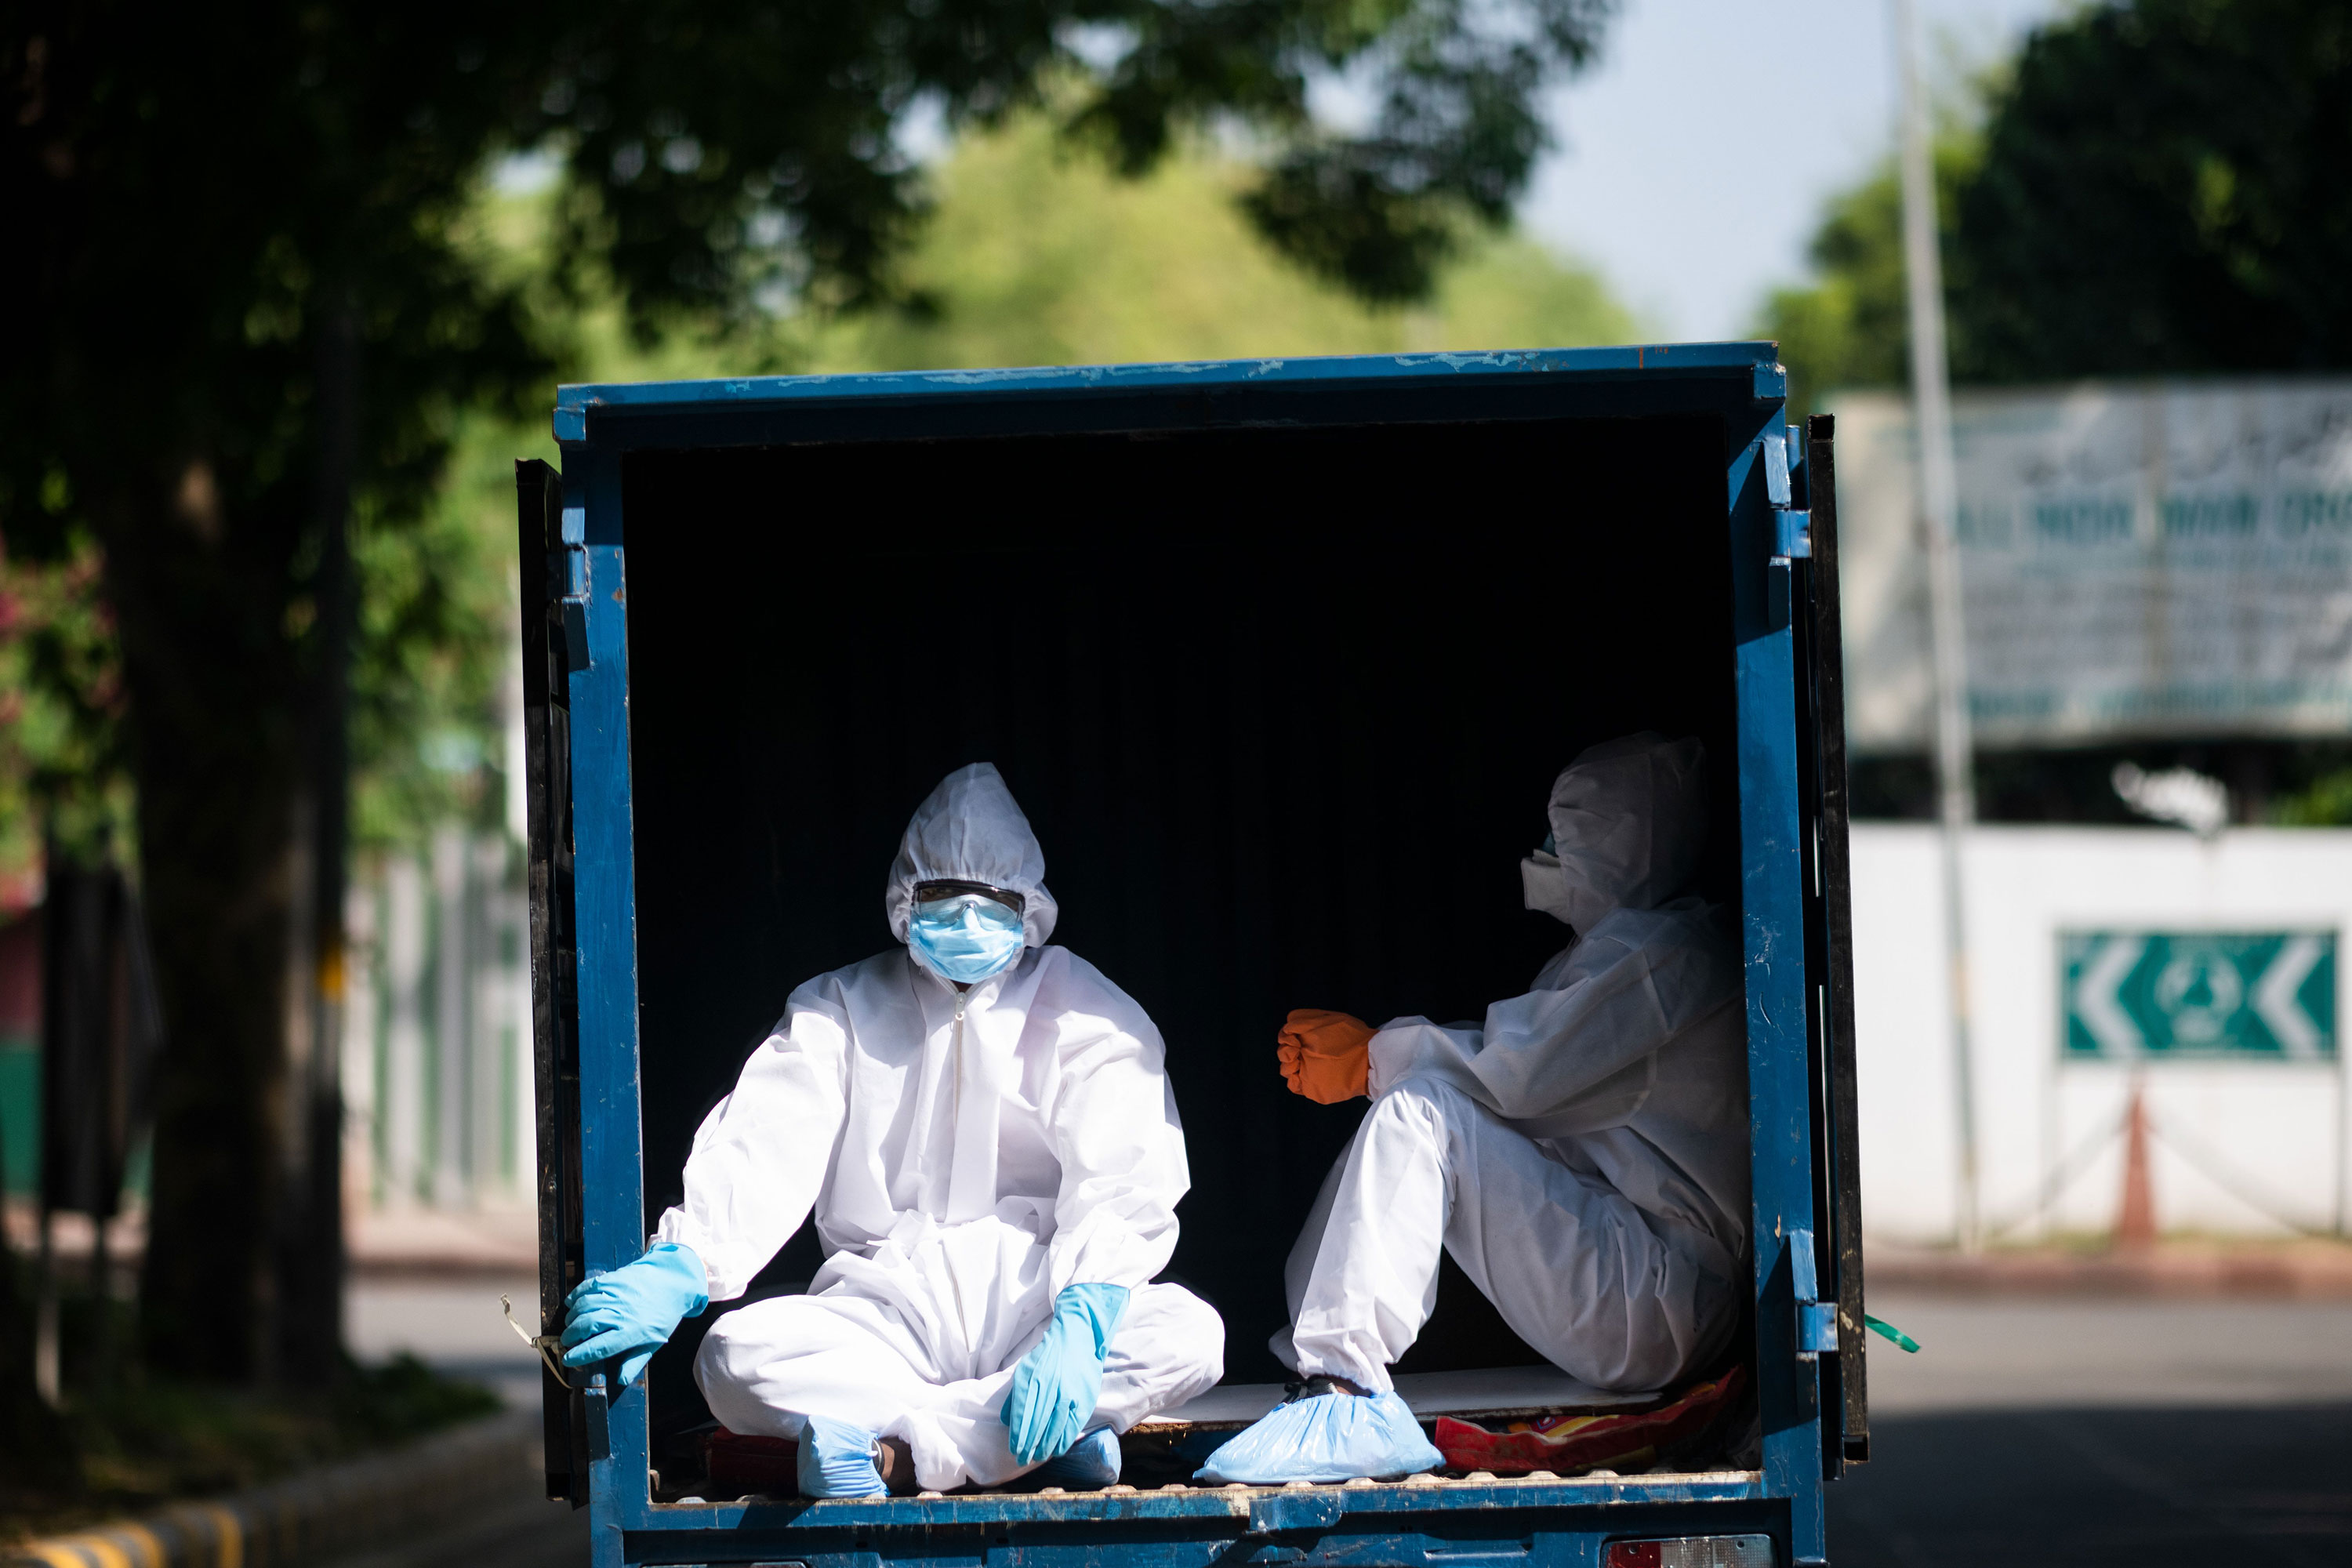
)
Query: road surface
[{"x": 2089, "y": 1433}]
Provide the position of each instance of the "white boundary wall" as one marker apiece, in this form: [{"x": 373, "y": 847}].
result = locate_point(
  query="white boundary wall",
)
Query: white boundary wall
[{"x": 2273, "y": 1129}]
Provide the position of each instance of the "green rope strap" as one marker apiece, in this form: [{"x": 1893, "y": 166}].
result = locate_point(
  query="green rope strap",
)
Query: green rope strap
[{"x": 1890, "y": 1331}]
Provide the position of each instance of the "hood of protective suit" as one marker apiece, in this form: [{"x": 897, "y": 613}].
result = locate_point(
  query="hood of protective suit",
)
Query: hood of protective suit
[
  {"x": 1628, "y": 817},
  {"x": 970, "y": 830}
]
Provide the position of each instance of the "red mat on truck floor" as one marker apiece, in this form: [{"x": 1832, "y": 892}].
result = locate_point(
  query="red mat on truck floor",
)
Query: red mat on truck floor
[
  {"x": 738, "y": 1464},
  {"x": 1563, "y": 1444}
]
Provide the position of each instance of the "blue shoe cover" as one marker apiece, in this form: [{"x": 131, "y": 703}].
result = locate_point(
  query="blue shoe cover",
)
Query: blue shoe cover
[
  {"x": 1091, "y": 1464},
  {"x": 837, "y": 1460},
  {"x": 1326, "y": 1437}
]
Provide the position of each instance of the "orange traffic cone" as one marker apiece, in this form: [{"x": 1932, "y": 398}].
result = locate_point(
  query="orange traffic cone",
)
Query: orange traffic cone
[{"x": 2135, "y": 1218}]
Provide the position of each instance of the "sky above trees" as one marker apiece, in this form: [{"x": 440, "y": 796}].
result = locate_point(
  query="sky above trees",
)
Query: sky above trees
[{"x": 1662, "y": 179}]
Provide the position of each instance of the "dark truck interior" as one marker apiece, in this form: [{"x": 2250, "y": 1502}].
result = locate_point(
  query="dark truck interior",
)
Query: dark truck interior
[{"x": 1284, "y": 707}]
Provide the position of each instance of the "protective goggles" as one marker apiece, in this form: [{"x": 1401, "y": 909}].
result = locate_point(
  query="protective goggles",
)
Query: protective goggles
[{"x": 942, "y": 891}]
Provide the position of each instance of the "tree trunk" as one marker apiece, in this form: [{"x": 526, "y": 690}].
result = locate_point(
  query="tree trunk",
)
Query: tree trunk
[
  {"x": 310, "y": 1261},
  {"x": 201, "y": 610}
]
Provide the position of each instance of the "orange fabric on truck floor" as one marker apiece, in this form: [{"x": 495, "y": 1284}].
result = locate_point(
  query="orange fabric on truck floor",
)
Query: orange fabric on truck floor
[{"x": 1565, "y": 1444}]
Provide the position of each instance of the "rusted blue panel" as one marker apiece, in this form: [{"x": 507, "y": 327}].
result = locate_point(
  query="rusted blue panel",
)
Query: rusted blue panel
[
  {"x": 1501, "y": 1525},
  {"x": 1248, "y": 1509}
]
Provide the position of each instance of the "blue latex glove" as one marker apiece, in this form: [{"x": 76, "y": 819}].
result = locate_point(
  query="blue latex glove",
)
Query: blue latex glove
[
  {"x": 1056, "y": 1384},
  {"x": 632, "y": 1311}
]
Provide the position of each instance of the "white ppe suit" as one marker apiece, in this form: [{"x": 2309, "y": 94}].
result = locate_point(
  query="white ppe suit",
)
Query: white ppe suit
[
  {"x": 1583, "y": 1156},
  {"x": 967, "y": 1157}
]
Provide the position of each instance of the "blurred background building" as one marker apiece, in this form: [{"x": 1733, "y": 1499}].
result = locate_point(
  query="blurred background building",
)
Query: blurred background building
[
  {"x": 2149, "y": 570},
  {"x": 437, "y": 1065},
  {"x": 439, "y": 1161}
]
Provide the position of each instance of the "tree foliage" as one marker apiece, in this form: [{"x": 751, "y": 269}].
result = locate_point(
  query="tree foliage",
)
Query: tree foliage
[
  {"x": 1035, "y": 253},
  {"x": 1036, "y": 256},
  {"x": 2157, "y": 187},
  {"x": 718, "y": 151},
  {"x": 249, "y": 314},
  {"x": 62, "y": 774},
  {"x": 1850, "y": 327},
  {"x": 2166, "y": 187}
]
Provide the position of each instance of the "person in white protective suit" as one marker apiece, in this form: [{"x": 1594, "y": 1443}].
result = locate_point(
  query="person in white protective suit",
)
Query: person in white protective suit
[
  {"x": 984, "y": 1128},
  {"x": 1583, "y": 1156}
]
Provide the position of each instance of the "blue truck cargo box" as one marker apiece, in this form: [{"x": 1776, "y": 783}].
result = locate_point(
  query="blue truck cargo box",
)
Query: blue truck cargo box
[{"x": 1280, "y": 657}]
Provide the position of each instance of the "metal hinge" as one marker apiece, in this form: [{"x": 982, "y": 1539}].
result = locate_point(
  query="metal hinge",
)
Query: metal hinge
[
  {"x": 1817, "y": 1328},
  {"x": 574, "y": 588},
  {"x": 1793, "y": 538},
  {"x": 599, "y": 1401}
]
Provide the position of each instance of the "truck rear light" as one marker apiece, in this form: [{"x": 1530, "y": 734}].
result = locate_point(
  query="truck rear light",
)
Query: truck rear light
[{"x": 1692, "y": 1551}]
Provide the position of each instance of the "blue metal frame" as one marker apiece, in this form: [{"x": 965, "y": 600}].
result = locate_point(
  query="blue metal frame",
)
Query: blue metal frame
[{"x": 1549, "y": 1524}]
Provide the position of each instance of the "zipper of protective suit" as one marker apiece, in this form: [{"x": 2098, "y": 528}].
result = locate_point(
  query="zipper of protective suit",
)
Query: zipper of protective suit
[
  {"x": 955, "y": 1132},
  {"x": 955, "y": 1088}
]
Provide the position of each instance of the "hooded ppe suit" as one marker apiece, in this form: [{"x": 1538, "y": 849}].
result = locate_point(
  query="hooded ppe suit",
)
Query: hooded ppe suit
[
  {"x": 1584, "y": 1155},
  {"x": 968, "y": 1155}
]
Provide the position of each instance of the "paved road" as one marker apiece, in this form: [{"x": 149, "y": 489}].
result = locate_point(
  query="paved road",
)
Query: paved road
[
  {"x": 2093, "y": 1433},
  {"x": 2091, "y": 1488},
  {"x": 526, "y": 1531},
  {"x": 454, "y": 1324},
  {"x": 1983, "y": 1354},
  {"x": 2027, "y": 1432}
]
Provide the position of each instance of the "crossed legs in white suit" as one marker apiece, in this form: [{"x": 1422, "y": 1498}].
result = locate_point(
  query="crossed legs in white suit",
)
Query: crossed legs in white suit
[
  {"x": 852, "y": 1352},
  {"x": 1607, "y": 1293}
]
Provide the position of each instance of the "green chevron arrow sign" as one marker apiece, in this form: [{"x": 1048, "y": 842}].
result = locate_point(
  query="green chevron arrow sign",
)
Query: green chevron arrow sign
[{"x": 2243, "y": 994}]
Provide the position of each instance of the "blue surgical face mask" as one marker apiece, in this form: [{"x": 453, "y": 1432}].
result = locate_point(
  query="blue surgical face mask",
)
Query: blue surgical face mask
[{"x": 965, "y": 938}]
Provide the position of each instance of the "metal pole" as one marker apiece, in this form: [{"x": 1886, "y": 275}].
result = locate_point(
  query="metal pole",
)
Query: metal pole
[
  {"x": 2343, "y": 1136},
  {"x": 101, "y": 1300},
  {"x": 1931, "y": 397},
  {"x": 46, "y": 1381}
]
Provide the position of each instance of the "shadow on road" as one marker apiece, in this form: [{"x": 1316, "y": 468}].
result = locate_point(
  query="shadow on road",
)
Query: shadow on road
[
  {"x": 523, "y": 1531},
  {"x": 2089, "y": 1487}
]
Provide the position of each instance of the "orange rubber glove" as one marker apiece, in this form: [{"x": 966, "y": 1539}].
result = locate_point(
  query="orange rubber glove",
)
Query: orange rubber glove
[{"x": 1326, "y": 1057}]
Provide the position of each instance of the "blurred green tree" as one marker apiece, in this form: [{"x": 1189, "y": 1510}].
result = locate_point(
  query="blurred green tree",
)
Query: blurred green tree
[
  {"x": 2157, "y": 187},
  {"x": 1850, "y": 326},
  {"x": 62, "y": 772},
  {"x": 1035, "y": 253},
  {"x": 248, "y": 308},
  {"x": 1036, "y": 256},
  {"x": 2165, "y": 187}
]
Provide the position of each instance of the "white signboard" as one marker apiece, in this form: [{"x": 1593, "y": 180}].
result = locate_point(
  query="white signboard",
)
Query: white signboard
[{"x": 2138, "y": 561}]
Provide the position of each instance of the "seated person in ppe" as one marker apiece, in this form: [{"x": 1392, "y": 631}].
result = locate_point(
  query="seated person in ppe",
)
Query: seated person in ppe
[
  {"x": 984, "y": 1127},
  {"x": 1583, "y": 1157}
]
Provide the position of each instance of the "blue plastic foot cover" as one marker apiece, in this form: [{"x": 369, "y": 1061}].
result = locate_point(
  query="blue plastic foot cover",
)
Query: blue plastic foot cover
[
  {"x": 837, "y": 1460},
  {"x": 1090, "y": 1464},
  {"x": 1326, "y": 1437}
]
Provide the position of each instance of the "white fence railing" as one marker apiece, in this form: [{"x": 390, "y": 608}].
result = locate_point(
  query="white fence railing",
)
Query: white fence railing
[{"x": 437, "y": 1045}]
